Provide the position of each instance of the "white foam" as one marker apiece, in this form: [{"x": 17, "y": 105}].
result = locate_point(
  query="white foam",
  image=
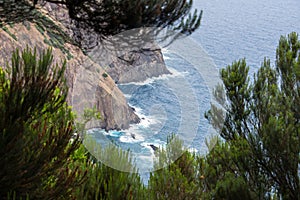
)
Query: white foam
[
  {"x": 165, "y": 50},
  {"x": 176, "y": 73},
  {"x": 131, "y": 138},
  {"x": 127, "y": 96},
  {"x": 158, "y": 143},
  {"x": 138, "y": 110},
  {"x": 145, "y": 121},
  {"x": 166, "y": 57},
  {"x": 114, "y": 133},
  {"x": 193, "y": 150},
  {"x": 149, "y": 81},
  {"x": 127, "y": 139},
  {"x": 93, "y": 130}
]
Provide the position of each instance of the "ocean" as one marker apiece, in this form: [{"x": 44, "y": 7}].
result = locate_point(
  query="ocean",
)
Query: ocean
[{"x": 176, "y": 103}]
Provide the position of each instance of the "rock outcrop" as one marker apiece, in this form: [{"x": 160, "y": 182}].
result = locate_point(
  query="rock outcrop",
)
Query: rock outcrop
[
  {"x": 88, "y": 87},
  {"x": 135, "y": 63},
  {"x": 137, "y": 66},
  {"x": 91, "y": 77}
]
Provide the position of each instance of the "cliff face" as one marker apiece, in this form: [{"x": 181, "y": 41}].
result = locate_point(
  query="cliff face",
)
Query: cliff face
[
  {"x": 88, "y": 87},
  {"x": 137, "y": 66},
  {"x": 134, "y": 63},
  {"x": 91, "y": 78}
]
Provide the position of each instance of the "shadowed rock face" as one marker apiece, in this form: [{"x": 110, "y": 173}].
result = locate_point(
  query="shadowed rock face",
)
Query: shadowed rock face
[
  {"x": 89, "y": 84},
  {"x": 88, "y": 88},
  {"x": 137, "y": 66},
  {"x": 134, "y": 63}
]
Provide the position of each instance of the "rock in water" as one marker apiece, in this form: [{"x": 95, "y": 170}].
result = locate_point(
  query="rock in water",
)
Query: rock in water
[
  {"x": 155, "y": 148},
  {"x": 132, "y": 135}
]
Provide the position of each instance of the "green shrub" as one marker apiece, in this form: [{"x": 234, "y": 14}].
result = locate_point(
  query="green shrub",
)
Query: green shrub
[
  {"x": 36, "y": 128},
  {"x": 105, "y": 75},
  {"x": 104, "y": 182}
]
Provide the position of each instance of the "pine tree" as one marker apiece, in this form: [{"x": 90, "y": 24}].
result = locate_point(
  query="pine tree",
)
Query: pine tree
[
  {"x": 261, "y": 126},
  {"x": 176, "y": 174},
  {"x": 36, "y": 129},
  {"x": 111, "y": 17},
  {"x": 105, "y": 182}
]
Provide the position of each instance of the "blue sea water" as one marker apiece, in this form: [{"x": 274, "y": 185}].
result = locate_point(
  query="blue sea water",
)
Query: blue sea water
[
  {"x": 235, "y": 29},
  {"x": 230, "y": 30}
]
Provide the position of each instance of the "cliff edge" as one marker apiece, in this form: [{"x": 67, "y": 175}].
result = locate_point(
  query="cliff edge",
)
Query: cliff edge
[
  {"x": 88, "y": 88},
  {"x": 91, "y": 77}
]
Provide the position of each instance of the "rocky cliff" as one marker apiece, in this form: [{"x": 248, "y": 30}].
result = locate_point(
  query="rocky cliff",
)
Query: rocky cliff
[
  {"x": 134, "y": 63},
  {"x": 88, "y": 76},
  {"x": 137, "y": 66},
  {"x": 88, "y": 88}
]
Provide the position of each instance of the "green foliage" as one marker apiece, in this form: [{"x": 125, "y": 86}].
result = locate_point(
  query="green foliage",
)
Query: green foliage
[
  {"x": 9, "y": 33},
  {"x": 257, "y": 157},
  {"x": 176, "y": 175},
  {"x": 40, "y": 28},
  {"x": 104, "y": 75},
  {"x": 261, "y": 128},
  {"x": 20, "y": 11},
  {"x": 27, "y": 25},
  {"x": 104, "y": 182},
  {"x": 89, "y": 114},
  {"x": 231, "y": 187},
  {"x": 222, "y": 179},
  {"x": 112, "y": 17},
  {"x": 36, "y": 129}
]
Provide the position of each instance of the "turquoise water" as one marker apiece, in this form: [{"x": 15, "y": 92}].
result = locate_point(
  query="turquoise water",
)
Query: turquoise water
[{"x": 230, "y": 30}]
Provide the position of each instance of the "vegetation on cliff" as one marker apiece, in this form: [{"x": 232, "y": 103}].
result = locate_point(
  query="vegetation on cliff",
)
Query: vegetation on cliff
[
  {"x": 260, "y": 155},
  {"x": 112, "y": 17},
  {"x": 106, "y": 18},
  {"x": 257, "y": 157},
  {"x": 36, "y": 129},
  {"x": 42, "y": 156}
]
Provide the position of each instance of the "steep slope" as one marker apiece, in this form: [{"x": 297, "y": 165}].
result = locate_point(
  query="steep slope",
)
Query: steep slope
[
  {"x": 134, "y": 63},
  {"x": 92, "y": 75},
  {"x": 88, "y": 84}
]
